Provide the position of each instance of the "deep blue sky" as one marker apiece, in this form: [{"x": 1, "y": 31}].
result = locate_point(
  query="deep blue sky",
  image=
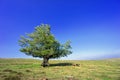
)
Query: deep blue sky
[{"x": 93, "y": 26}]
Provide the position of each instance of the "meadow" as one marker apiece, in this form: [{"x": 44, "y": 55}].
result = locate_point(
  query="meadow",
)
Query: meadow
[{"x": 30, "y": 69}]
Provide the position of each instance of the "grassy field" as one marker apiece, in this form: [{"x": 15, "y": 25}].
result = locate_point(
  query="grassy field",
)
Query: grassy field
[{"x": 30, "y": 69}]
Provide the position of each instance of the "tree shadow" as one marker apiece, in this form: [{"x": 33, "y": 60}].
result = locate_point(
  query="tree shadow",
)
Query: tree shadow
[{"x": 60, "y": 64}]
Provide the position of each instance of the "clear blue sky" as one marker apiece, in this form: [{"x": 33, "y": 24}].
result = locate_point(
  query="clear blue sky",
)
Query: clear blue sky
[{"x": 93, "y": 26}]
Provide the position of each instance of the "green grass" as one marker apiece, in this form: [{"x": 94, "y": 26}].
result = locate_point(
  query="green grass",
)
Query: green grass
[{"x": 30, "y": 69}]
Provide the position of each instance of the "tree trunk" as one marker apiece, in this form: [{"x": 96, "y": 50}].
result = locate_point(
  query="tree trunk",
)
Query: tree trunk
[{"x": 45, "y": 62}]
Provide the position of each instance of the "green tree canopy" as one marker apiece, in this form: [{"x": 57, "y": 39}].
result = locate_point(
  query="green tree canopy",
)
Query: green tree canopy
[{"x": 41, "y": 43}]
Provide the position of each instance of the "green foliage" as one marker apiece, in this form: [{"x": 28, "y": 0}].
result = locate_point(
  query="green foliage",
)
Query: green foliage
[{"x": 41, "y": 43}]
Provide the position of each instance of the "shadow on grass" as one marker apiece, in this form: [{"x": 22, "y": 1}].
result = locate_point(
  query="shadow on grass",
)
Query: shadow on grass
[{"x": 61, "y": 64}]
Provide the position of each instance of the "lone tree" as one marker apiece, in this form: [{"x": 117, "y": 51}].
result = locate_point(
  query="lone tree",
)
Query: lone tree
[{"x": 41, "y": 43}]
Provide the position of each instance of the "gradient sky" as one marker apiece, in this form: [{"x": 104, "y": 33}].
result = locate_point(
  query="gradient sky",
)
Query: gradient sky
[{"x": 93, "y": 26}]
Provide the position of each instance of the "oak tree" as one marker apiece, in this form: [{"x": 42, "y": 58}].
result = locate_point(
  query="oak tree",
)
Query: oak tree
[{"x": 42, "y": 43}]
